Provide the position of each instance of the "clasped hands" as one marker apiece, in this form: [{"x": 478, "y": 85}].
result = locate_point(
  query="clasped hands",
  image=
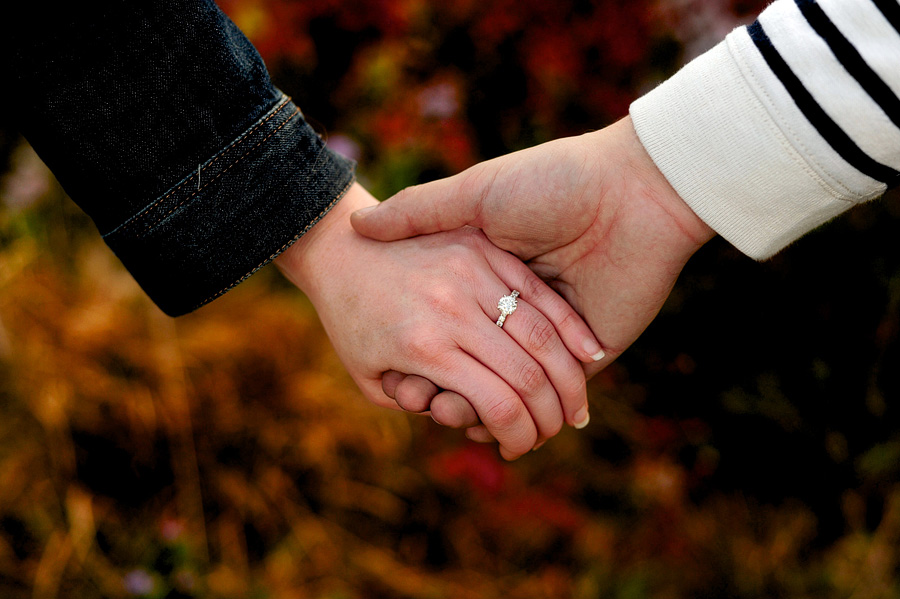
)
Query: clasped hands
[{"x": 586, "y": 229}]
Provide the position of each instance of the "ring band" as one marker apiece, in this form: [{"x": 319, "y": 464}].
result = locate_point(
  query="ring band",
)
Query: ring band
[{"x": 507, "y": 305}]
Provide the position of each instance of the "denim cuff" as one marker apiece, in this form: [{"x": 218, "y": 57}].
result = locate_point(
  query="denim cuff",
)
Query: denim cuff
[{"x": 234, "y": 213}]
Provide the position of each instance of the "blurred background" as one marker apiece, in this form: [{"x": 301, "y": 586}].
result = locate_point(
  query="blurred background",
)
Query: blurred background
[{"x": 748, "y": 444}]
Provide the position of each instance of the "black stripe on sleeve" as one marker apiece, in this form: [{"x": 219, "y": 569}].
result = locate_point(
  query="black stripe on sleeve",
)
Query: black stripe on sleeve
[
  {"x": 827, "y": 128},
  {"x": 848, "y": 56},
  {"x": 891, "y": 11}
]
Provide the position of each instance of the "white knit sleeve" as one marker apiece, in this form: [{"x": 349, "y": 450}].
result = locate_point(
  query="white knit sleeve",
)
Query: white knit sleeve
[{"x": 785, "y": 124}]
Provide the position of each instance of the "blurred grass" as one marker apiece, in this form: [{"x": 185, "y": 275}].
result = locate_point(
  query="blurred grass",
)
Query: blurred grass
[{"x": 746, "y": 446}]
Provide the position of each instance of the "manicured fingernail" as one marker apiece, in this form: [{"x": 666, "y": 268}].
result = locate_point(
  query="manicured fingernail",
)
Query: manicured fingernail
[
  {"x": 594, "y": 350},
  {"x": 539, "y": 445},
  {"x": 582, "y": 418},
  {"x": 366, "y": 210}
]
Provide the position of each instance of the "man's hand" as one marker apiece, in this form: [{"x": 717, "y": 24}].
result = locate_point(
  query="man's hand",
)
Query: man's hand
[
  {"x": 592, "y": 214},
  {"x": 427, "y": 307}
]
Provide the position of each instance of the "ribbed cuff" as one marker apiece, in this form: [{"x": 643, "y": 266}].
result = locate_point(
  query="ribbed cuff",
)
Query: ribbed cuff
[
  {"x": 742, "y": 170},
  {"x": 234, "y": 213}
]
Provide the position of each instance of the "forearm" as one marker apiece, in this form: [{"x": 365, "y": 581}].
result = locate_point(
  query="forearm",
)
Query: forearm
[
  {"x": 160, "y": 121},
  {"x": 775, "y": 131}
]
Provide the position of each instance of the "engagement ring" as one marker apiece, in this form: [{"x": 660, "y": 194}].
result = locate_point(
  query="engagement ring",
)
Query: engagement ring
[{"x": 506, "y": 305}]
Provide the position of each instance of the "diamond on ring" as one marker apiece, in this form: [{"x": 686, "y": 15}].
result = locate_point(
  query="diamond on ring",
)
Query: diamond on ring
[{"x": 507, "y": 305}]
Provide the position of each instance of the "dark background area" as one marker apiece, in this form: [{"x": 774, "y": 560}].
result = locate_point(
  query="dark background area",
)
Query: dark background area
[{"x": 747, "y": 445}]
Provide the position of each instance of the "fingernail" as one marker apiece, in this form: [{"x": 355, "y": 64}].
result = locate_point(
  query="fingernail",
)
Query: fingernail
[
  {"x": 539, "y": 445},
  {"x": 582, "y": 418},
  {"x": 366, "y": 210},
  {"x": 594, "y": 350}
]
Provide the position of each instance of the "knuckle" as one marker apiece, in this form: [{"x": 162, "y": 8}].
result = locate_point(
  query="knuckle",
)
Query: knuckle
[
  {"x": 521, "y": 443},
  {"x": 424, "y": 346},
  {"x": 533, "y": 288},
  {"x": 440, "y": 298},
  {"x": 405, "y": 194},
  {"x": 503, "y": 415},
  {"x": 540, "y": 336},
  {"x": 411, "y": 339},
  {"x": 531, "y": 380},
  {"x": 570, "y": 320}
]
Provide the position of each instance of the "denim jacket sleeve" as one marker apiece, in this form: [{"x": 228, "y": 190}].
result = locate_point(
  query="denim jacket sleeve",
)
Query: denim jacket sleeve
[{"x": 160, "y": 121}]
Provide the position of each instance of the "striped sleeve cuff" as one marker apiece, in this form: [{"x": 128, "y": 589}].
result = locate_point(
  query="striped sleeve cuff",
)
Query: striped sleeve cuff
[{"x": 782, "y": 126}]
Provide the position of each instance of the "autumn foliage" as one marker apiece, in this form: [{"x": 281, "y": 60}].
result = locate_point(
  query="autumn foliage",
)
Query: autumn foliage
[{"x": 747, "y": 446}]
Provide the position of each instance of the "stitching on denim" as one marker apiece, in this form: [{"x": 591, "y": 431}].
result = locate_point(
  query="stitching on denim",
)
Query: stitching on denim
[
  {"x": 223, "y": 171},
  {"x": 143, "y": 213},
  {"x": 275, "y": 254}
]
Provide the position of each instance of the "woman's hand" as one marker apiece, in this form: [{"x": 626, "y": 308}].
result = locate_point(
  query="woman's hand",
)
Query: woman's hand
[
  {"x": 428, "y": 306},
  {"x": 593, "y": 215}
]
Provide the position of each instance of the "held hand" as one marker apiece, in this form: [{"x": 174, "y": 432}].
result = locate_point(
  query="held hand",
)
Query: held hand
[
  {"x": 592, "y": 215},
  {"x": 427, "y": 306}
]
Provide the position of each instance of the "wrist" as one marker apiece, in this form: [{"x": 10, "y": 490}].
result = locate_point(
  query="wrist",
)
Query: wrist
[
  {"x": 322, "y": 248},
  {"x": 694, "y": 232}
]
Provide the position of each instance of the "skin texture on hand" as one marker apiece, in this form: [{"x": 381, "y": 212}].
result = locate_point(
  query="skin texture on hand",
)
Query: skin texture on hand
[
  {"x": 427, "y": 306},
  {"x": 592, "y": 215}
]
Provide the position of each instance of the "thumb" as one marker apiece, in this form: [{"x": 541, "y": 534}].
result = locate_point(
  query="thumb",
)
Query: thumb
[{"x": 441, "y": 205}]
